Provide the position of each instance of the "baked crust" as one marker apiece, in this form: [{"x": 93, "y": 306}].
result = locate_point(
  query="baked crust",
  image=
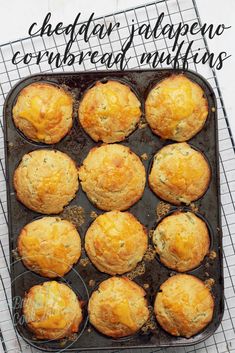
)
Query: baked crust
[
  {"x": 113, "y": 177},
  {"x": 43, "y": 112},
  {"x": 109, "y": 112},
  {"x": 118, "y": 308},
  {"x": 49, "y": 246},
  {"x": 179, "y": 174},
  {"x": 182, "y": 241},
  {"x": 176, "y": 108},
  {"x": 115, "y": 242},
  {"x": 46, "y": 180},
  {"x": 184, "y": 305},
  {"x": 52, "y": 311}
]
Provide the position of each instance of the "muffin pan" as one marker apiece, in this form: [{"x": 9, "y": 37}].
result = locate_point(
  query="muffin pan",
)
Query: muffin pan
[{"x": 84, "y": 277}]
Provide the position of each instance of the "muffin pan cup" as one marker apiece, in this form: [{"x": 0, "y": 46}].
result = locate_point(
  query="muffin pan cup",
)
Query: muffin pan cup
[{"x": 144, "y": 143}]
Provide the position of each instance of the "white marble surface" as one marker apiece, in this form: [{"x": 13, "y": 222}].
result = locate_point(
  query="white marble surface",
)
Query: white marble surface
[{"x": 17, "y": 15}]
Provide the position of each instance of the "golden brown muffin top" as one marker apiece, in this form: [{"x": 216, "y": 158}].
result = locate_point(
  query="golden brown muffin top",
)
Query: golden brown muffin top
[
  {"x": 118, "y": 308},
  {"x": 43, "y": 112},
  {"x": 116, "y": 242},
  {"x": 52, "y": 310},
  {"x": 184, "y": 305},
  {"x": 176, "y": 108},
  {"x": 46, "y": 180},
  {"x": 179, "y": 173},
  {"x": 109, "y": 111},
  {"x": 113, "y": 177},
  {"x": 182, "y": 241},
  {"x": 49, "y": 246}
]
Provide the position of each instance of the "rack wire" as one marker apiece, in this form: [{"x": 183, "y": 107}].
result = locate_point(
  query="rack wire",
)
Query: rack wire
[{"x": 175, "y": 11}]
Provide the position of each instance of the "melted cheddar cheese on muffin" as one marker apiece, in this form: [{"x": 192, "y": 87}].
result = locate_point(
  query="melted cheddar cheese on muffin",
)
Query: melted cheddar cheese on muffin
[
  {"x": 118, "y": 308},
  {"x": 115, "y": 242},
  {"x": 113, "y": 177},
  {"x": 52, "y": 311},
  {"x": 46, "y": 180},
  {"x": 49, "y": 246},
  {"x": 182, "y": 241},
  {"x": 184, "y": 305},
  {"x": 43, "y": 112},
  {"x": 179, "y": 174},
  {"x": 176, "y": 108},
  {"x": 109, "y": 111}
]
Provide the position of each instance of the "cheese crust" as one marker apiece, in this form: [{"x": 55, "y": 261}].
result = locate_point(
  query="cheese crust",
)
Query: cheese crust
[
  {"x": 49, "y": 246},
  {"x": 176, "y": 108},
  {"x": 46, "y": 180},
  {"x": 182, "y": 241},
  {"x": 184, "y": 305},
  {"x": 109, "y": 112},
  {"x": 52, "y": 311},
  {"x": 43, "y": 112},
  {"x": 113, "y": 177},
  {"x": 115, "y": 242},
  {"x": 179, "y": 174},
  {"x": 118, "y": 308}
]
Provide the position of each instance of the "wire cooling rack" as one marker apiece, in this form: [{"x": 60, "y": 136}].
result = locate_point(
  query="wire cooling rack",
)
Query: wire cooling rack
[{"x": 175, "y": 11}]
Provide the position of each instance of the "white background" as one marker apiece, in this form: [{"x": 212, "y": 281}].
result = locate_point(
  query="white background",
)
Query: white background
[{"x": 17, "y": 15}]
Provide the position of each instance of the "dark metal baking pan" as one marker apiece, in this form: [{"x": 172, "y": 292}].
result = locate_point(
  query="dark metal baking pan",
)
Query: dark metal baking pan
[{"x": 77, "y": 145}]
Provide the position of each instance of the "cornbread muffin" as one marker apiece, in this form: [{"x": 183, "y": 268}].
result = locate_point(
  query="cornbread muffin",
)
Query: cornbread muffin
[
  {"x": 52, "y": 311},
  {"x": 179, "y": 174},
  {"x": 118, "y": 308},
  {"x": 182, "y": 241},
  {"x": 115, "y": 242},
  {"x": 46, "y": 180},
  {"x": 43, "y": 112},
  {"x": 113, "y": 177},
  {"x": 176, "y": 108},
  {"x": 49, "y": 246},
  {"x": 184, "y": 305},
  {"x": 109, "y": 111}
]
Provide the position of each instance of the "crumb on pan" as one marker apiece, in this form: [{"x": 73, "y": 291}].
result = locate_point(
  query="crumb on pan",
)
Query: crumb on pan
[
  {"x": 74, "y": 214},
  {"x": 209, "y": 283},
  {"x": 15, "y": 254},
  {"x": 162, "y": 209},
  {"x": 150, "y": 254},
  {"x": 138, "y": 271},
  {"x": 194, "y": 207},
  {"x": 142, "y": 124},
  {"x": 144, "y": 157},
  {"x": 93, "y": 215},
  {"x": 91, "y": 283},
  {"x": 85, "y": 261},
  {"x": 151, "y": 324},
  {"x": 212, "y": 255}
]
